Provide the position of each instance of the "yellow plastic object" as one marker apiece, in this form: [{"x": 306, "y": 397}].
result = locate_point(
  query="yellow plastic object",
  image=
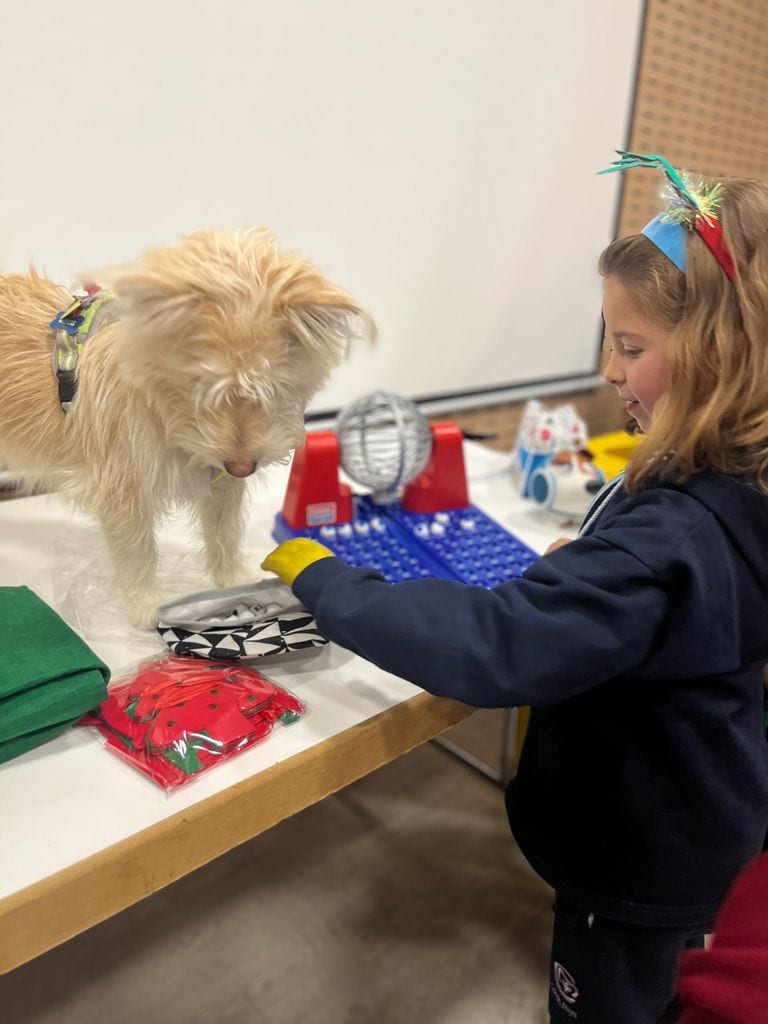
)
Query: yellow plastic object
[
  {"x": 613, "y": 451},
  {"x": 293, "y": 557}
]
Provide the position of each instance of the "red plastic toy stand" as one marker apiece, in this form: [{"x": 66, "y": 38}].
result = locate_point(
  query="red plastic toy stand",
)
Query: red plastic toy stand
[
  {"x": 443, "y": 483},
  {"x": 314, "y": 495}
]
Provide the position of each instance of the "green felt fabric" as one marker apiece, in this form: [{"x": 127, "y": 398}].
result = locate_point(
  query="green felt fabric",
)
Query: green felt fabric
[
  {"x": 49, "y": 677},
  {"x": 48, "y": 703},
  {"x": 21, "y": 744}
]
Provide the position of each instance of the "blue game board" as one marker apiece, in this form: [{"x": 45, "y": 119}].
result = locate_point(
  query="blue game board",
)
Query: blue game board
[{"x": 462, "y": 544}]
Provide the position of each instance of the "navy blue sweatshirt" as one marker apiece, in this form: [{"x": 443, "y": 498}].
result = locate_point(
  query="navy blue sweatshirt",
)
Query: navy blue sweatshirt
[{"x": 643, "y": 784}]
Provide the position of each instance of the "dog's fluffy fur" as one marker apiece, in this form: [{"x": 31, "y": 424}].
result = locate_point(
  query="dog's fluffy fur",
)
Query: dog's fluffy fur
[{"x": 204, "y": 362}]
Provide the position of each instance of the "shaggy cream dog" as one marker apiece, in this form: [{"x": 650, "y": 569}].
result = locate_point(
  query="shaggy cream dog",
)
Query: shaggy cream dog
[{"x": 195, "y": 374}]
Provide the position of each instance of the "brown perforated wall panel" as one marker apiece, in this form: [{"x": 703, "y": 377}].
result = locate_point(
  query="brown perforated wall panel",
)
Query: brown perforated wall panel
[{"x": 702, "y": 96}]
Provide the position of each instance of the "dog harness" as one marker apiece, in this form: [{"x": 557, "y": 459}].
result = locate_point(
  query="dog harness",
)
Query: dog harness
[{"x": 73, "y": 327}]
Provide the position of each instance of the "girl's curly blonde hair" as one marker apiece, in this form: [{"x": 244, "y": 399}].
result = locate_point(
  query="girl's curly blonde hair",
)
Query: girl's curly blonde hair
[{"x": 715, "y": 414}]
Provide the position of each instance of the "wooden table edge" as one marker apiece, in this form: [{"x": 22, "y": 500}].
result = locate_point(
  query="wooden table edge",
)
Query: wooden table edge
[{"x": 41, "y": 916}]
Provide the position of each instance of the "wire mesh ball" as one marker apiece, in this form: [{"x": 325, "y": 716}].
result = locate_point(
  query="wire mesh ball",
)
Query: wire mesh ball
[{"x": 384, "y": 443}]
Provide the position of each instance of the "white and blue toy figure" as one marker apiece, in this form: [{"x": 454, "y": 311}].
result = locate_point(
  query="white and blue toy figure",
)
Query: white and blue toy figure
[
  {"x": 571, "y": 429},
  {"x": 552, "y": 463},
  {"x": 537, "y": 442},
  {"x": 566, "y": 486}
]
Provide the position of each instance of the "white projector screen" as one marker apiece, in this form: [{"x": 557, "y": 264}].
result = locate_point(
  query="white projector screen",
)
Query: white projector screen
[{"x": 436, "y": 158}]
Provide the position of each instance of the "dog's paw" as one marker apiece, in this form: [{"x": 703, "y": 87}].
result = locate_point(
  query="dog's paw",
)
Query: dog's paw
[
  {"x": 238, "y": 576},
  {"x": 142, "y": 609}
]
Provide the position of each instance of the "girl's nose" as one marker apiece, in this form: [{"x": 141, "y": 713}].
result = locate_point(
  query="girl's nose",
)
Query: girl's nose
[{"x": 612, "y": 370}]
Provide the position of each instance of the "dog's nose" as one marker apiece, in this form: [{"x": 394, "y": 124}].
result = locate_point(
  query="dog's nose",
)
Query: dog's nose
[{"x": 241, "y": 467}]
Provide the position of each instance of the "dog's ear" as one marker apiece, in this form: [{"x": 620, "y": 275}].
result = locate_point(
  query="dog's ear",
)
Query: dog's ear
[
  {"x": 157, "y": 302},
  {"x": 143, "y": 283},
  {"x": 327, "y": 329}
]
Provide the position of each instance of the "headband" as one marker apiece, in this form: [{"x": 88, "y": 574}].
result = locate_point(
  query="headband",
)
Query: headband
[{"x": 689, "y": 207}]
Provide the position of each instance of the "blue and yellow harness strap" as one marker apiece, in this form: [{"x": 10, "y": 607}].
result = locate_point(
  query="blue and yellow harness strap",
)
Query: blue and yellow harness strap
[{"x": 72, "y": 327}]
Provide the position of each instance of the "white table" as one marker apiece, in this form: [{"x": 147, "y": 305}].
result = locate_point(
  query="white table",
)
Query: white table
[{"x": 86, "y": 835}]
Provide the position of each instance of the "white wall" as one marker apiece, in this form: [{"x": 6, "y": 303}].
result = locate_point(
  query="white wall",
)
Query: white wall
[{"x": 437, "y": 158}]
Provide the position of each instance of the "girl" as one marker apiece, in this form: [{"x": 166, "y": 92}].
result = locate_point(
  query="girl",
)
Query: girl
[{"x": 643, "y": 784}]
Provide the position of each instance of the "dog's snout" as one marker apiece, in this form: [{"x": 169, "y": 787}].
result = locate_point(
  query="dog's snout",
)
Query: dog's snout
[{"x": 241, "y": 467}]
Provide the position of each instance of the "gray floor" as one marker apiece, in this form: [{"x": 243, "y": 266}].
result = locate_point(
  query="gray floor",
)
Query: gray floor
[{"x": 401, "y": 899}]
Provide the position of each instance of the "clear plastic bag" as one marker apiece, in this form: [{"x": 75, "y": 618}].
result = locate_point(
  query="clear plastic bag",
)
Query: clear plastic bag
[
  {"x": 174, "y": 718},
  {"x": 86, "y": 596}
]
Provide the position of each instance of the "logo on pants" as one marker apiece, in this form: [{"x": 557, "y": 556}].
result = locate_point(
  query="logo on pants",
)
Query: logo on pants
[{"x": 565, "y": 987}]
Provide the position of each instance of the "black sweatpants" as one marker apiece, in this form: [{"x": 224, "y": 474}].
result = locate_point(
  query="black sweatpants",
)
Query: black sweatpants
[{"x": 606, "y": 972}]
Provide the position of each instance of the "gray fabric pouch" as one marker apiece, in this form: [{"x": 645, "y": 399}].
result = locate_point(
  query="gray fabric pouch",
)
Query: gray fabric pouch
[{"x": 251, "y": 621}]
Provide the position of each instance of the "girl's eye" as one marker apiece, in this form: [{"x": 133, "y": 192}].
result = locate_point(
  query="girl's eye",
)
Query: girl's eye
[{"x": 632, "y": 353}]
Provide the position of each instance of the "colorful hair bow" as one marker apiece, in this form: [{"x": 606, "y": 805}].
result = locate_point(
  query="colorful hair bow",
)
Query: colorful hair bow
[{"x": 690, "y": 207}]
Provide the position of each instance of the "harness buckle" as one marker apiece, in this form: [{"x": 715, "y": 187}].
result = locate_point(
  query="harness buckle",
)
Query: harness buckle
[
  {"x": 70, "y": 320},
  {"x": 70, "y": 324}
]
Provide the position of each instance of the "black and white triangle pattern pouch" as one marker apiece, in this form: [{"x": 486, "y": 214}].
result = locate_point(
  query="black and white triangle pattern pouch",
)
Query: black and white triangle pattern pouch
[{"x": 258, "y": 620}]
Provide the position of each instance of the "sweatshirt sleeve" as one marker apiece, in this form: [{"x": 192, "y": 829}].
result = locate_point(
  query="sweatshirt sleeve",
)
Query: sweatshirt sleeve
[
  {"x": 729, "y": 981},
  {"x": 531, "y": 641},
  {"x": 590, "y": 611}
]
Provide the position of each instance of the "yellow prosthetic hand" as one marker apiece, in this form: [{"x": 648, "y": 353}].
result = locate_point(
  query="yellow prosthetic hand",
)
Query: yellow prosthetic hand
[{"x": 293, "y": 556}]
